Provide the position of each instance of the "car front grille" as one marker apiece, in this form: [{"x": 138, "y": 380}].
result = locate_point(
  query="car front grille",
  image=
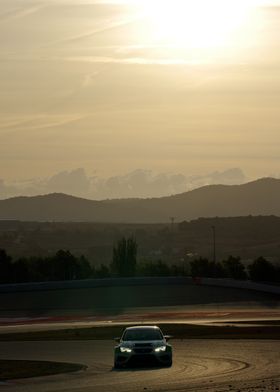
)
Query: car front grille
[
  {"x": 143, "y": 345},
  {"x": 143, "y": 350}
]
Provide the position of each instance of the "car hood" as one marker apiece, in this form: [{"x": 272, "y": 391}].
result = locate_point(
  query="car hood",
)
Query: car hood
[{"x": 154, "y": 343}]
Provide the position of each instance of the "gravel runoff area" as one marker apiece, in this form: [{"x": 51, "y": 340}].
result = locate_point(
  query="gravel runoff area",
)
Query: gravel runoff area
[
  {"x": 199, "y": 365},
  {"x": 18, "y": 369}
]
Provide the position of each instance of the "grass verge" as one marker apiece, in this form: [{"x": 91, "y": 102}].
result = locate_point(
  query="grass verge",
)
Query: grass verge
[
  {"x": 15, "y": 369},
  {"x": 178, "y": 331}
]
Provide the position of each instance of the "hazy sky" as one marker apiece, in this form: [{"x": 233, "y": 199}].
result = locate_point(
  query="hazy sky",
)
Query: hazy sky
[{"x": 188, "y": 86}]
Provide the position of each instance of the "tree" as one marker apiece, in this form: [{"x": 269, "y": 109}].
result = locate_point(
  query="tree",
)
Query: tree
[
  {"x": 21, "y": 271},
  {"x": 262, "y": 270},
  {"x": 157, "y": 268},
  {"x": 65, "y": 265},
  {"x": 6, "y": 268},
  {"x": 204, "y": 267},
  {"x": 102, "y": 272},
  {"x": 125, "y": 257},
  {"x": 84, "y": 268},
  {"x": 234, "y": 268}
]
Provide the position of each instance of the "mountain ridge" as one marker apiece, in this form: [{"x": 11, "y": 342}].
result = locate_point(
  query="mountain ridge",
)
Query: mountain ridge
[{"x": 259, "y": 197}]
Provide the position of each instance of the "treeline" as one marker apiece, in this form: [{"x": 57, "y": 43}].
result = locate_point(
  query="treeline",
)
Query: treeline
[
  {"x": 125, "y": 264},
  {"x": 260, "y": 270},
  {"x": 65, "y": 266},
  {"x": 61, "y": 266}
]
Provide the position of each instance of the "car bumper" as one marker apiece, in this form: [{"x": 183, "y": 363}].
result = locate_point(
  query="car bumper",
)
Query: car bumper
[{"x": 163, "y": 358}]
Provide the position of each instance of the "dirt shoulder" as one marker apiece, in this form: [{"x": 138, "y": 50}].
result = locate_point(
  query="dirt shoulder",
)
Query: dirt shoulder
[
  {"x": 267, "y": 330},
  {"x": 16, "y": 369}
]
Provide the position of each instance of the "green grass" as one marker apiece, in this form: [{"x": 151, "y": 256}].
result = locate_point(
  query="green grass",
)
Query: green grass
[
  {"x": 14, "y": 369},
  {"x": 178, "y": 331}
]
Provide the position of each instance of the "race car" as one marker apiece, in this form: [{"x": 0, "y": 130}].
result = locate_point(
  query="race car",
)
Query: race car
[{"x": 142, "y": 344}]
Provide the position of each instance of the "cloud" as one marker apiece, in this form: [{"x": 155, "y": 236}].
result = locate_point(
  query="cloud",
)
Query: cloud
[
  {"x": 73, "y": 182},
  {"x": 39, "y": 121},
  {"x": 108, "y": 26},
  {"x": 17, "y": 13},
  {"x": 132, "y": 60},
  {"x": 228, "y": 177},
  {"x": 138, "y": 183}
]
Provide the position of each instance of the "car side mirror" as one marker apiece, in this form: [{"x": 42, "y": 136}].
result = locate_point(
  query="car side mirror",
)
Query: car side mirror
[
  {"x": 168, "y": 337},
  {"x": 117, "y": 340}
]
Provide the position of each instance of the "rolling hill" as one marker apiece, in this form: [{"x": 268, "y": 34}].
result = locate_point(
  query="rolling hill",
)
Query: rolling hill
[{"x": 259, "y": 197}]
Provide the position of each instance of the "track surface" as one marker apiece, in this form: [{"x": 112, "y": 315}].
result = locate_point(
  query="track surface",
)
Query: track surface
[
  {"x": 102, "y": 302},
  {"x": 199, "y": 365}
]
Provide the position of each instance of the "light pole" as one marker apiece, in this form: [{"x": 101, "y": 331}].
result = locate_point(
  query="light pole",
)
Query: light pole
[
  {"x": 172, "y": 219},
  {"x": 214, "y": 243}
]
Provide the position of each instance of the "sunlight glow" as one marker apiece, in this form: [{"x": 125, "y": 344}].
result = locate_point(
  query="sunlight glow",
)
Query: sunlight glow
[{"x": 195, "y": 23}]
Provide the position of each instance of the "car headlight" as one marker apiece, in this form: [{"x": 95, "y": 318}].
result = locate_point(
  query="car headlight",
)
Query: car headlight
[
  {"x": 160, "y": 349},
  {"x": 125, "y": 350}
]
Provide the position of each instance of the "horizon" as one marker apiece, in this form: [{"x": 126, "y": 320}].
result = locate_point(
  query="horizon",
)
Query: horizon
[
  {"x": 261, "y": 179},
  {"x": 139, "y": 184}
]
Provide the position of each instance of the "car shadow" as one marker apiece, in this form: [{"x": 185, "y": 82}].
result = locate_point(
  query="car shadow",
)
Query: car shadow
[{"x": 138, "y": 366}]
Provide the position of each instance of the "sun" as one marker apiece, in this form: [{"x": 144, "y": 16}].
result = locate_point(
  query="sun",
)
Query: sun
[{"x": 194, "y": 23}]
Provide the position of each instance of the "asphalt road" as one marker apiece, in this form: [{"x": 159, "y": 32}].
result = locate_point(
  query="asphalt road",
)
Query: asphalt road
[
  {"x": 199, "y": 365},
  {"x": 116, "y": 301}
]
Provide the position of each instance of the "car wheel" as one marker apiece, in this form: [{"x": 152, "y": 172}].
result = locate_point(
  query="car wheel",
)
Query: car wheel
[
  {"x": 117, "y": 365},
  {"x": 169, "y": 363}
]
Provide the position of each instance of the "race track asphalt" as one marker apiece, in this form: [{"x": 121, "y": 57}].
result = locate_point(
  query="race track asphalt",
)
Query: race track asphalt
[{"x": 199, "y": 365}]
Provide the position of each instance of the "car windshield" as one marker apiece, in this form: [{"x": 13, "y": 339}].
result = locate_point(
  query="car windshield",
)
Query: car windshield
[{"x": 142, "y": 334}]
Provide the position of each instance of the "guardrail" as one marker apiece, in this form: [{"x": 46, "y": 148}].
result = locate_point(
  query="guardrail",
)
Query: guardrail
[
  {"x": 91, "y": 283},
  {"x": 241, "y": 284},
  {"x": 144, "y": 281}
]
